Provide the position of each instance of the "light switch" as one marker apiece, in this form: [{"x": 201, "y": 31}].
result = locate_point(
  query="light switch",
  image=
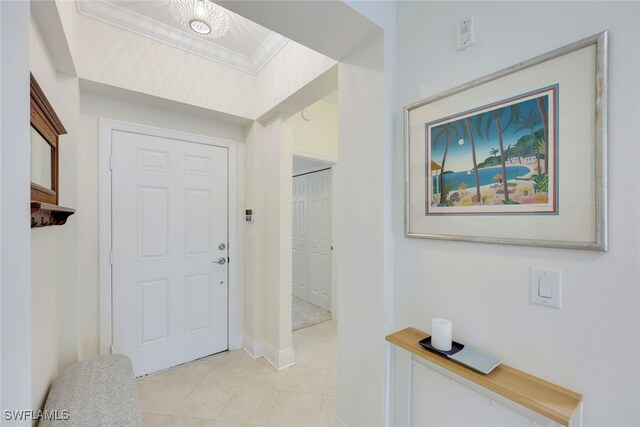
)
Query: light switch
[
  {"x": 546, "y": 287},
  {"x": 465, "y": 33}
]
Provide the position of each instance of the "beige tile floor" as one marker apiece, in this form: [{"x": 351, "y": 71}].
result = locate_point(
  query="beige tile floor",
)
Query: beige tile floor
[
  {"x": 304, "y": 314},
  {"x": 233, "y": 390}
]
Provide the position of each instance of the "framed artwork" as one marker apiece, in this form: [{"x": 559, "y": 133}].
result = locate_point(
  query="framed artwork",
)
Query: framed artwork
[{"x": 516, "y": 157}]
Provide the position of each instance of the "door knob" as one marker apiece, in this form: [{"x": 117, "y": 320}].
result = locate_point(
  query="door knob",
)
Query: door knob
[{"x": 220, "y": 261}]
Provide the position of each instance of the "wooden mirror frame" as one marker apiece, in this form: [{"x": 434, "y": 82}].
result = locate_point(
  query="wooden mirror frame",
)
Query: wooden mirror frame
[{"x": 46, "y": 122}]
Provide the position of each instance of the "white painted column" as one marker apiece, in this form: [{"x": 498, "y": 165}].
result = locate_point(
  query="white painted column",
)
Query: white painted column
[
  {"x": 15, "y": 248},
  {"x": 362, "y": 260},
  {"x": 254, "y": 276},
  {"x": 268, "y": 244}
]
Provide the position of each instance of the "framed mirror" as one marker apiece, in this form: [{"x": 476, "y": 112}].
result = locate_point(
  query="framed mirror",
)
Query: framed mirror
[{"x": 46, "y": 128}]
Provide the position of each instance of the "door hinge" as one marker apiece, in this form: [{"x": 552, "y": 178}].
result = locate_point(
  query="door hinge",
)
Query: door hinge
[
  {"x": 111, "y": 162},
  {"x": 112, "y": 349},
  {"x": 111, "y": 257}
]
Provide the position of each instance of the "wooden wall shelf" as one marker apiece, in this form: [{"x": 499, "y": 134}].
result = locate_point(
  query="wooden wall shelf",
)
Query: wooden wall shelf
[
  {"x": 45, "y": 214},
  {"x": 550, "y": 400}
]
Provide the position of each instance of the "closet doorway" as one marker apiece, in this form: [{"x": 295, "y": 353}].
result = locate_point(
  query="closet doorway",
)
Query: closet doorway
[{"x": 312, "y": 246}]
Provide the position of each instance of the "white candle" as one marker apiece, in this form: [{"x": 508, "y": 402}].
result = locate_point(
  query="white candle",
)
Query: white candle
[{"x": 441, "y": 334}]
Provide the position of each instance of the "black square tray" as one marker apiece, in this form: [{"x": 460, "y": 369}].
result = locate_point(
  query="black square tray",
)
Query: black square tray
[{"x": 455, "y": 347}]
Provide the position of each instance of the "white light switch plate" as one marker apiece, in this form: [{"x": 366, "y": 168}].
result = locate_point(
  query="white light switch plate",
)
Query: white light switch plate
[
  {"x": 546, "y": 287},
  {"x": 466, "y": 33}
]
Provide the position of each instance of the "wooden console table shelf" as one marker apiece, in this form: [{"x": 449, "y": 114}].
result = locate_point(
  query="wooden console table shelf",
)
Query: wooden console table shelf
[{"x": 550, "y": 400}]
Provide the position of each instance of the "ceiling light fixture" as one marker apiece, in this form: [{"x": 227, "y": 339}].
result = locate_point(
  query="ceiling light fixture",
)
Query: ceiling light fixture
[{"x": 203, "y": 17}]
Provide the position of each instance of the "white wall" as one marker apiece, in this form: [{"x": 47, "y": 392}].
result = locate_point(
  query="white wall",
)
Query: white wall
[
  {"x": 484, "y": 289},
  {"x": 254, "y": 244},
  {"x": 15, "y": 247},
  {"x": 304, "y": 165},
  {"x": 95, "y": 107},
  {"x": 365, "y": 243},
  {"x": 278, "y": 170},
  {"x": 288, "y": 72},
  {"x": 268, "y": 241},
  {"x": 68, "y": 12},
  {"x": 319, "y": 135},
  {"x": 1, "y": 200},
  {"x": 361, "y": 247},
  {"x": 54, "y": 297}
]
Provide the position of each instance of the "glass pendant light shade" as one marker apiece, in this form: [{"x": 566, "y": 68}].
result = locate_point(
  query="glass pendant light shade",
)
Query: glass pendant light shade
[{"x": 203, "y": 17}]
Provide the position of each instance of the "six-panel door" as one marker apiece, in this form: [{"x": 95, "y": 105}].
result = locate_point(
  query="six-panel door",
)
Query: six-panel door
[
  {"x": 170, "y": 214},
  {"x": 312, "y": 231},
  {"x": 299, "y": 244},
  {"x": 320, "y": 219}
]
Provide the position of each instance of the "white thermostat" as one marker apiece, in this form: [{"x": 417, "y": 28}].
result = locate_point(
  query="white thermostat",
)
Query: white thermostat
[{"x": 248, "y": 215}]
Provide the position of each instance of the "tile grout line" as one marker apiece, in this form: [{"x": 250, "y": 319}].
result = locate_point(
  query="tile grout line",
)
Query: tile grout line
[
  {"x": 321, "y": 406},
  {"x": 161, "y": 415},
  {"x": 187, "y": 395},
  {"x": 199, "y": 383},
  {"x": 272, "y": 406},
  {"x": 224, "y": 407},
  {"x": 181, "y": 400}
]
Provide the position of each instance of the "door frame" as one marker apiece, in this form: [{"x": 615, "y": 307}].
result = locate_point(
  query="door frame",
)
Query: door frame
[
  {"x": 105, "y": 130},
  {"x": 333, "y": 164}
]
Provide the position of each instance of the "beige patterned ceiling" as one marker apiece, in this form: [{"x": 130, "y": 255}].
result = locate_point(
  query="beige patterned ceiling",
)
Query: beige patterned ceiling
[{"x": 246, "y": 45}]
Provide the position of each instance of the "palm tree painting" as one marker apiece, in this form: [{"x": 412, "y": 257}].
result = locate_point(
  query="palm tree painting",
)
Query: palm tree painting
[
  {"x": 543, "y": 114},
  {"x": 469, "y": 132},
  {"x": 493, "y": 153},
  {"x": 530, "y": 122},
  {"x": 445, "y": 132},
  {"x": 499, "y": 119}
]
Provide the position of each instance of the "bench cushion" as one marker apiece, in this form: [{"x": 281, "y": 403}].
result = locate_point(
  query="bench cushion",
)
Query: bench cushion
[{"x": 96, "y": 392}]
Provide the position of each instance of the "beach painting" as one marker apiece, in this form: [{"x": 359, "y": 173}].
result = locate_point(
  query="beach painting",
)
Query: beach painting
[{"x": 495, "y": 159}]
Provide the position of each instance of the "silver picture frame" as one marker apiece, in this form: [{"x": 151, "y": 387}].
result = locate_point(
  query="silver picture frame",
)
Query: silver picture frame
[{"x": 600, "y": 240}]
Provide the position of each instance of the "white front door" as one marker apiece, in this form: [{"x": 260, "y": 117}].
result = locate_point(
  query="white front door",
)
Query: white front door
[
  {"x": 320, "y": 221},
  {"x": 169, "y": 230},
  {"x": 299, "y": 215}
]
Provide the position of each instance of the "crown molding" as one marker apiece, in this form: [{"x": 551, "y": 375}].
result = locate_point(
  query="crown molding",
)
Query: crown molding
[{"x": 118, "y": 16}]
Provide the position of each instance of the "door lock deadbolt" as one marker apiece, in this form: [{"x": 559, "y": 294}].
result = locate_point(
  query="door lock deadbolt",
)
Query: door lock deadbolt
[{"x": 222, "y": 246}]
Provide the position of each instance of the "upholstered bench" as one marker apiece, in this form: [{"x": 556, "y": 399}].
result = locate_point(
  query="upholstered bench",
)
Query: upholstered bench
[{"x": 95, "y": 392}]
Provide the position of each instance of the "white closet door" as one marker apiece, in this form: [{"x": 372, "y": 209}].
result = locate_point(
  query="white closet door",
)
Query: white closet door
[
  {"x": 320, "y": 225},
  {"x": 299, "y": 205},
  {"x": 170, "y": 209}
]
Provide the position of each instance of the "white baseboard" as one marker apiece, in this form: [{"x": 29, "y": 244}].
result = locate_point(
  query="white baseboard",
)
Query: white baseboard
[
  {"x": 280, "y": 359},
  {"x": 237, "y": 343},
  {"x": 337, "y": 422},
  {"x": 254, "y": 348}
]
